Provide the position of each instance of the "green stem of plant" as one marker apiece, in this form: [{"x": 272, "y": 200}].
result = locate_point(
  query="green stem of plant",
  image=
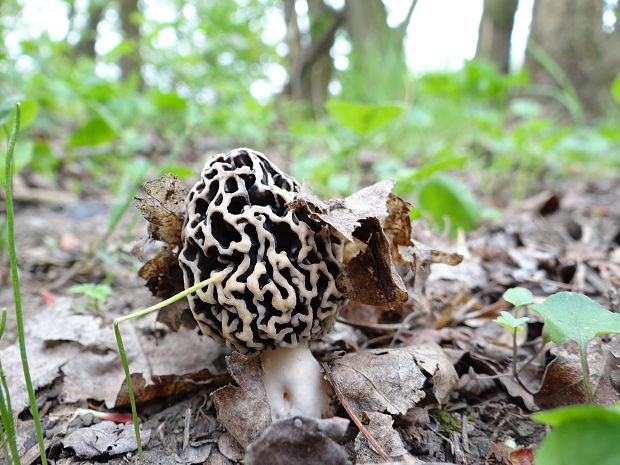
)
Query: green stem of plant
[
  {"x": 10, "y": 218},
  {"x": 121, "y": 348},
  {"x": 585, "y": 368},
  {"x": 515, "y": 358},
  {"x": 2, "y": 322},
  {"x": 6, "y": 413}
]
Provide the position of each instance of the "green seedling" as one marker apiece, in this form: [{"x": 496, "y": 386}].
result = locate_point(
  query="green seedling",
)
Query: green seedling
[
  {"x": 97, "y": 293},
  {"x": 582, "y": 434},
  {"x": 575, "y": 317},
  {"x": 121, "y": 348},
  {"x": 517, "y": 296},
  {"x": 10, "y": 220}
]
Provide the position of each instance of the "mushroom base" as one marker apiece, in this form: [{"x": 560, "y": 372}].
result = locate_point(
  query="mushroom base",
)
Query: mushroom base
[{"x": 294, "y": 383}]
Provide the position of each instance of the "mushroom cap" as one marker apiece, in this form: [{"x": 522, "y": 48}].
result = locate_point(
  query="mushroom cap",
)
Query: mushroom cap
[{"x": 282, "y": 265}]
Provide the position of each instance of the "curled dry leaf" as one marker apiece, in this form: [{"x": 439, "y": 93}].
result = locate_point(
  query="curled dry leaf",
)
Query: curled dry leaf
[
  {"x": 300, "y": 441},
  {"x": 375, "y": 223},
  {"x": 104, "y": 439},
  {"x": 164, "y": 209},
  {"x": 443, "y": 378}
]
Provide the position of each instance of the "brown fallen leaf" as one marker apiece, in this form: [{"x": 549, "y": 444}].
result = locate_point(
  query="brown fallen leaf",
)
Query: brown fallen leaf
[
  {"x": 300, "y": 441},
  {"x": 370, "y": 277},
  {"x": 104, "y": 439},
  {"x": 164, "y": 207},
  {"x": 165, "y": 386},
  {"x": 443, "y": 378},
  {"x": 244, "y": 411},
  {"x": 562, "y": 382},
  {"x": 381, "y": 380},
  {"x": 379, "y": 425}
]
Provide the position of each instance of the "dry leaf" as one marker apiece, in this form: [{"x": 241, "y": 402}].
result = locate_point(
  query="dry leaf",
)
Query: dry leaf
[
  {"x": 104, "y": 439},
  {"x": 244, "y": 411},
  {"x": 164, "y": 208},
  {"x": 562, "y": 382},
  {"x": 442, "y": 375},
  {"x": 370, "y": 277},
  {"x": 379, "y": 425},
  {"x": 380, "y": 380},
  {"x": 299, "y": 441}
]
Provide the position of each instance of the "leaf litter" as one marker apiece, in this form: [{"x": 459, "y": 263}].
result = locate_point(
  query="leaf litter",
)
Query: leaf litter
[{"x": 463, "y": 372}]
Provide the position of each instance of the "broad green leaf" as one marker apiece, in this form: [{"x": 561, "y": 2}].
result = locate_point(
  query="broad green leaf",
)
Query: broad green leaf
[
  {"x": 94, "y": 132},
  {"x": 444, "y": 197},
  {"x": 363, "y": 119},
  {"x": 615, "y": 89},
  {"x": 581, "y": 435},
  {"x": 518, "y": 296},
  {"x": 510, "y": 322},
  {"x": 576, "y": 317}
]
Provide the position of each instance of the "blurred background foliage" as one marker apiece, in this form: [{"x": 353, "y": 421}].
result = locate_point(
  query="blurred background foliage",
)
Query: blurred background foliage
[{"x": 118, "y": 91}]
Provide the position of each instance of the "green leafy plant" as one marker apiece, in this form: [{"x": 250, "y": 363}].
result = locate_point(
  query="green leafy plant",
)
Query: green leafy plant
[
  {"x": 10, "y": 219},
  {"x": 582, "y": 434},
  {"x": 97, "y": 293},
  {"x": 517, "y": 296},
  {"x": 575, "y": 317},
  {"x": 444, "y": 199}
]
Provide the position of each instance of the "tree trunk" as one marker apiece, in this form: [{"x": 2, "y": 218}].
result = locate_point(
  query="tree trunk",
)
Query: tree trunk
[
  {"x": 570, "y": 33},
  {"x": 88, "y": 39},
  {"x": 378, "y": 69},
  {"x": 310, "y": 67},
  {"x": 131, "y": 61},
  {"x": 495, "y": 32}
]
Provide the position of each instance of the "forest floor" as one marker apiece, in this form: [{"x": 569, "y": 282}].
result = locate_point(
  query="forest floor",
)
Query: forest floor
[{"x": 464, "y": 407}]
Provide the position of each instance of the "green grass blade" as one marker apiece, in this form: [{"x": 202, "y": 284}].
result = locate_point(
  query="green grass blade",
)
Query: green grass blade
[
  {"x": 10, "y": 219},
  {"x": 8, "y": 424},
  {"x": 121, "y": 347}
]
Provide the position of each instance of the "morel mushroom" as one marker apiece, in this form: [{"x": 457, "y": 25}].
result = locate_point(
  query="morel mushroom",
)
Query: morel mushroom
[{"x": 282, "y": 266}]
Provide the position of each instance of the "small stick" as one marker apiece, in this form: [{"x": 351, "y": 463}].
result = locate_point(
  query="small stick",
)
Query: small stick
[
  {"x": 356, "y": 420},
  {"x": 121, "y": 348}
]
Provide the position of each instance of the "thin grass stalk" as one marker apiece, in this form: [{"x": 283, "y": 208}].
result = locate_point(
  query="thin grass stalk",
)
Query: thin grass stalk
[
  {"x": 10, "y": 219},
  {"x": 121, "y": 347},
  {"x": 8, "y": 458},
  {"x": 8, "y": 424}
]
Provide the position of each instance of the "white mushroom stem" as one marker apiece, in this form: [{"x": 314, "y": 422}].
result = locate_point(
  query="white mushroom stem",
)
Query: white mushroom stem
[{"x": 294, "y": 383}]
